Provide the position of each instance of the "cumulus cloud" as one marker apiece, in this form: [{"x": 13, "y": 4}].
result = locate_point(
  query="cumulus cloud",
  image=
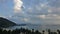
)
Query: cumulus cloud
[
  {"x": 36, "y": 11},
  {"x": 18, "y": 6},
  {"x": 43, "y": 12}
]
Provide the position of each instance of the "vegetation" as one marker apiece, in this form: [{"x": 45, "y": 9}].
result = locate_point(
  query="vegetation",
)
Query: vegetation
[
  {"x": 6, "y": 23},
  {"x": 26, "y": 31}
]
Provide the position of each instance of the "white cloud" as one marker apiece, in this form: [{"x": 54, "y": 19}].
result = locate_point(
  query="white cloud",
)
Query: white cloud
[
  {"x": 30, "y": 9},
  {"x": 35, "y": 11},
  {"x": 17, "y": 6},
  {"x": 49, "y": 10},
  {"x": 41, "y": 16},
  {"x": 25, "y": 19}
]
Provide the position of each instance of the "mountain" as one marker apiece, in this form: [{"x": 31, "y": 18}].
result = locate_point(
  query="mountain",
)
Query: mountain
[
  {"x": 4, "y": 23},
  {"x": 21, "y": 24}
]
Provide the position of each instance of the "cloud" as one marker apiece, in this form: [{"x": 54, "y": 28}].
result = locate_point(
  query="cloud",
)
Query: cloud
[
  {"x": 18, "y": 6},
  {"x": 25, "y": 19},
  {"x": 43, "y": 12},
  {"x": 39, "y": 11},
  {"x": 54, "y": 3},
  {"x": 41, "y": 16},
  {"x": 34, "y": 11}
]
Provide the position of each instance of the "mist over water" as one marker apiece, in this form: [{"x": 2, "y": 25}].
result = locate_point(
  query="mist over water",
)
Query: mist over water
[
  {"x": 32, "y": 11},
  {"x": 38, "y": 27}
]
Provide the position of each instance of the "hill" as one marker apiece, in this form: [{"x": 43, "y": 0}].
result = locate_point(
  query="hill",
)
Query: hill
[{"x": 6, "y": 23}]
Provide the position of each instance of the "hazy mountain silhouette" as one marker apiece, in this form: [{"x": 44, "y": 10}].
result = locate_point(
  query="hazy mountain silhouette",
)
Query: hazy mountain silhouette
[{"x": 6, "y": 23}]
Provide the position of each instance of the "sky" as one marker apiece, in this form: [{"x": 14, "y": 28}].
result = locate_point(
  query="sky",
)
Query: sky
[{"x": 31, "y": 11}]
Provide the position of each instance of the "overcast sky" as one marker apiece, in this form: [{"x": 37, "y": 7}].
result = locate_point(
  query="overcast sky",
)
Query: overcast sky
[{"x": 31, "y": 11}]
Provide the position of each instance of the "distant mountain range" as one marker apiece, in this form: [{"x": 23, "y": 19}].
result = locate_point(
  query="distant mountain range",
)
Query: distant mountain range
[{"x": 4, "y": 23}]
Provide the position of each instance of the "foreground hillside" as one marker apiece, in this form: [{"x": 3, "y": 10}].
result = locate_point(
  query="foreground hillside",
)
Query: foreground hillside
[{"x": 6, "y": 23}]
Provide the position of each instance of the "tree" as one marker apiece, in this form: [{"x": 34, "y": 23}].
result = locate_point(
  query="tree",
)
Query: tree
[
  {"x": 58, "y": 31},
  {"x": 43, "y": 31},
  {"x": 37, "y": 32},
  {"x": 5, "y": 32},
  {"x": 9, "y": 32},
  {"x": 1, "y": 31},
  {"x": 49, "y": 31}
]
